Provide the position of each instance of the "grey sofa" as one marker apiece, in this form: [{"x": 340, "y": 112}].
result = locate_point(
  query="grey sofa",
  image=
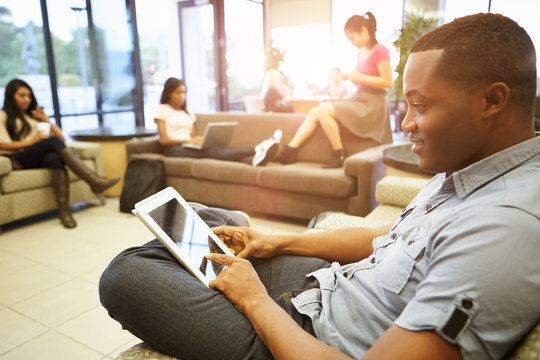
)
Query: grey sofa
[
  {"x": 24, "y": 193},
  {"x": 299, "y": 190}
]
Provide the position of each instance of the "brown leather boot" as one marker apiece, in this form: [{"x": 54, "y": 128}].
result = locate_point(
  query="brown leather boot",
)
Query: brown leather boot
[
  {"x": 97, "y": 183},
  {"x": 287, "y": 155},
  {"x": 336, "y": 161},
  {"x": 60, "y": 184}
]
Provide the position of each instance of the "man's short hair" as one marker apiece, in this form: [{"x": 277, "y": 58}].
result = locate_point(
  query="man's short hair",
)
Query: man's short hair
[{"x": 483, "y": 49}]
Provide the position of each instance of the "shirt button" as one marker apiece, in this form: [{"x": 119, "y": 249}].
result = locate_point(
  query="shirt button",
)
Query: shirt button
[
  {"x": 372, "y": 260},
  {"x": 394, "y": 236},
  {"x": 406, "y": 212},
  {"x": 467, "y": 303},
  {"x": 428, "y": 207},
  {"x": 346, "y": 274},
  {"x": 410, "y": 242}
]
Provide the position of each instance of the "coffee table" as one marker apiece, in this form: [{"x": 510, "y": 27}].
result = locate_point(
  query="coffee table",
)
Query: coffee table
[
  {"x": 402, "y": 161},
  {"x": 113, "y": 149}
]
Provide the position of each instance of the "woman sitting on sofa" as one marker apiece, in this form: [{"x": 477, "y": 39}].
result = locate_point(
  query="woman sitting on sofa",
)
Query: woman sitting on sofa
[
  {"x": 365, "y": 113},
  {"x": 273, "y": 93},
  {"x": 175, "y": 128},
  {"x": 28, "y": 147}
]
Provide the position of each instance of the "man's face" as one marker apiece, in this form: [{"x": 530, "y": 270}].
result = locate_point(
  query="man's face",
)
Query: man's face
[{"x": 444, "y": 117}]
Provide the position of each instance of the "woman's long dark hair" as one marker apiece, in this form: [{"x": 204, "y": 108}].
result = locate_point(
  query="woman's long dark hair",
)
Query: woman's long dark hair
[
  {"x": 356, "y": 22},
  {"x": 13, "y": 112},
  {"x": 170, "y": 85}
]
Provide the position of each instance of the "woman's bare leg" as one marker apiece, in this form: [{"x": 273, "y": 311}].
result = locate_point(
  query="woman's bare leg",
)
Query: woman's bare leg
[
  {"x": 330, "y": 126},
  {"x": 307, "y": 128}
]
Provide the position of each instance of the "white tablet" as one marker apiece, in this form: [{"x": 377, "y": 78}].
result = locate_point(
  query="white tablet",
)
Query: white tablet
[{"x": 172, "y": 220}]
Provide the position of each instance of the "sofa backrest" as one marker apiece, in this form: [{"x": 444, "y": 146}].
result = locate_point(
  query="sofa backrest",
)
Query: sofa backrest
[{"x": 253, "y": 128}]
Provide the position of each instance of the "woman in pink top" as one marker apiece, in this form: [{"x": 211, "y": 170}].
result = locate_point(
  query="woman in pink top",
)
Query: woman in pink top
[{"x": 365, "y": 114}]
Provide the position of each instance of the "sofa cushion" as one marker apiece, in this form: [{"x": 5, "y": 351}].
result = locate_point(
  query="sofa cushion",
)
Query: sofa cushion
[
  {"x": 175, "y": 166},
  {"x": 397, "y": 190},
  {"x": 337, "y": 220},
  {"x": 529, "y": 347},
  {"x": 143, "y": 352},
  {"x": 308, "y": 178},
  {"x": 27, "y": 179},
  {"x": 386, "y": 213},
  {"x": 224, "y": 171},
  {"x": 5, "y": 165}
]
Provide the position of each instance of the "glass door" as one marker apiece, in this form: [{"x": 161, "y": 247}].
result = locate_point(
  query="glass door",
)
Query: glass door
[{"x": 196, "y": 21}]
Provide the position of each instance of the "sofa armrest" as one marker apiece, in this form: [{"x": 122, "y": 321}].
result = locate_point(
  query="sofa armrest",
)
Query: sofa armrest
[
  {"x": 368, "y": 168},
  {"x": 357, "y": 163},
  {"x": 89, "y": 151},
  {"x": 143, "y": 145},
  {"x": 5, "y": 165}
]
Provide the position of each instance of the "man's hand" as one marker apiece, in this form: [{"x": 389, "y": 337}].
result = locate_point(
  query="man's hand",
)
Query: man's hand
[
  {"x": 245, "y": 242},
  {"x": 238, "y": 282}
]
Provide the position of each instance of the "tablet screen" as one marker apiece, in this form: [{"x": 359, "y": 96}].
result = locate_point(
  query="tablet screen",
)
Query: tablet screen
[{"x": 189, "y": 234}]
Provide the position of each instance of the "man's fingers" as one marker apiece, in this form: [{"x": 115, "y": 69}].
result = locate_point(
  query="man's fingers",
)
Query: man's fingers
[
  {"x": 244, "y": 254},
  {"x": 227, "y": 230},
  {"x": 221, "y": 230},
  {"x": 230, "y": 233},
  {"x": 222, "y": 259}
]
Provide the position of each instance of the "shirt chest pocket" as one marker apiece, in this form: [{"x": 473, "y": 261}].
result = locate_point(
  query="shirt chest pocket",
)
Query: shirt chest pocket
[{"x": 397, "y": 262}]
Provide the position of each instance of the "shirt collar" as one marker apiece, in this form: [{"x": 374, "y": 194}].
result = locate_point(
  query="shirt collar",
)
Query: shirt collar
[{"x": 467, "y": 180}]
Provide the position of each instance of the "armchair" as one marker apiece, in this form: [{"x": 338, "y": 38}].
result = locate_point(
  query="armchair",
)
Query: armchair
[{"x": 24, "y": 193}]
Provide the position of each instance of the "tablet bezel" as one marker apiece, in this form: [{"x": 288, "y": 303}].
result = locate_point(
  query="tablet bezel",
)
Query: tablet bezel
[{"x": 144, "y": 207}]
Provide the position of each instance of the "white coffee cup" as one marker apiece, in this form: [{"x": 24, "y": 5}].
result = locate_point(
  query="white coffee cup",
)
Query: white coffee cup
[{"x": 44, "y": 128}]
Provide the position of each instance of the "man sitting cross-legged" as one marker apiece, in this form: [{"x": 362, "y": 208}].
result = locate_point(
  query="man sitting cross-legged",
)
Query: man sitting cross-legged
[{"x": 457, "y": 276}]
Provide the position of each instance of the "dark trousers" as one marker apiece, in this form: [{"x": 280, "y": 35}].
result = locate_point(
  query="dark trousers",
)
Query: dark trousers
[
  {"x": 156, "y": 299},
  {"x": 220, "y": 153},
  {"x": 43, "y": 154}
]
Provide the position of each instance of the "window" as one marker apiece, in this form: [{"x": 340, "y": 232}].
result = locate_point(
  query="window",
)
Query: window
[
  {"x": 245, "y": 50},
  {"x": 23, "y": 54},
  {"x": 87, "y": 76},
  {"x": 73, "y": 66},
  {"x": 159, "y": 42},
  {"x": 316, "y": 42},
  {"x": 525, "y": 13}
]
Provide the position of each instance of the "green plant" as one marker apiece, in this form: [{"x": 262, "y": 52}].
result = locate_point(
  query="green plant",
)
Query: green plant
[{"x": 415, "y": 25}]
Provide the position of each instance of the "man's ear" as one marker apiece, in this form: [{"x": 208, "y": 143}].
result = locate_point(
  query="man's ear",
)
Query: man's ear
[{"x": 495, "y": 99}]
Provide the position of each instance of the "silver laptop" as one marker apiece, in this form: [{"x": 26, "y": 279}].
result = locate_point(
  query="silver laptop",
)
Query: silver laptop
[{"x": 218, "y": 134}]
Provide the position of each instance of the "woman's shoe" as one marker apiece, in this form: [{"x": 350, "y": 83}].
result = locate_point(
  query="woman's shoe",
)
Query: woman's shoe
[
  {"x": 288, "y": 155},
  {"x": 266, "y": 150},
  {"x": 336, "y": 161}
]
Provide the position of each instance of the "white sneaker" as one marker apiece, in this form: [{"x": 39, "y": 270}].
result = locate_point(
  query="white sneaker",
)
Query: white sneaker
[{"x": 267, "y": 150}]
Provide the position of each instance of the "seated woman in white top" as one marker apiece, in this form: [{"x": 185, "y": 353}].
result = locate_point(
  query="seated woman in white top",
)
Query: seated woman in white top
[{"x": 175, "y": 128}]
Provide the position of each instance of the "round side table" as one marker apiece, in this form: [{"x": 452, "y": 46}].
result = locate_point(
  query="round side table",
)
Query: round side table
[
  {"x": 402, "y": 161},
  {"x": 113, "y": 149}
]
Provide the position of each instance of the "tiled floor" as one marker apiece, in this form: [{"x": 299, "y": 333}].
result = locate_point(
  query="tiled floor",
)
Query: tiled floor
[{"x": 49, "y": 306}]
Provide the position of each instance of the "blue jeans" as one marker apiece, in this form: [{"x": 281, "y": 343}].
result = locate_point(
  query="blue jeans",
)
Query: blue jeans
[{"x": 156, "y": 299}]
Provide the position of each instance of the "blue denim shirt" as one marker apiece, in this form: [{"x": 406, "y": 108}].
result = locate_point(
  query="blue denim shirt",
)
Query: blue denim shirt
[{"x": 462, "y": 260}]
